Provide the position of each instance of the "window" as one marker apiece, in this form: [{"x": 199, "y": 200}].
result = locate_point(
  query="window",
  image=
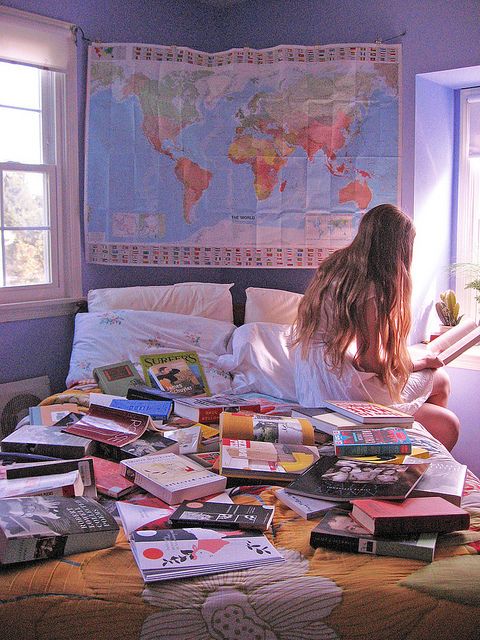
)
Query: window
[
  {"x": 468, "y": 219},
  {"x": 39, "y": 209}
]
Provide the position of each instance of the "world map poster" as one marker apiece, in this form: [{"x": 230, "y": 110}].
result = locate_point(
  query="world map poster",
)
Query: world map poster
[{"x": 243, "y": 158}]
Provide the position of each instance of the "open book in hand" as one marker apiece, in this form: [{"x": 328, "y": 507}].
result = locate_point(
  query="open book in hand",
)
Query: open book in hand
[{"x": 455, "y": 341}]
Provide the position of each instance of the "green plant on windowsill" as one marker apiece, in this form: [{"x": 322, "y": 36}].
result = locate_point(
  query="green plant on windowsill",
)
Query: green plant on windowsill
[
  {"x": 448, "y": 309},
  {"x": 471, "y": 270}
]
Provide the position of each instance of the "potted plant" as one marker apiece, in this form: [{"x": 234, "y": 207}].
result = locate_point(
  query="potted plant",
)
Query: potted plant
[
  {"x": 448, "y": 309},
  {"x": 471, "y": 270}
]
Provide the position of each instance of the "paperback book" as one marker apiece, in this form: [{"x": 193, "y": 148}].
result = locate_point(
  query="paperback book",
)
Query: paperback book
[
  {"x": 181, "y": 553},
  {"x": 109, "y": 481},
  {"x": 171, "y": 477},
  {"x": 368, "y": 442},
  {"x": 324, "y": 420},
  {"x": 266, "y": 428},
  {"x": 443, "y": 479},
  {"x": 37, "y": 470},
  {"x": 270, "y": 461},
  {"x": 59, "y": 484},
  {"x": 413, "y": 515},
  {"x": 176, "y": 373},
  {"x": 145, "y": 392},
  {"x": 197, "y": 513},
  {"x": 343, "y": 480},
  {"x": 116, "y": 378},
  {"x": 159, "y": 410},
  {"x": 338, "y": 530},
  {"x": 455, "y": 341},
  {"x": 208, "y": 410},
  {"x": 306, "y": 507},
  {"x": 369, "y": 412},
  {"x": 188, "y": 439},
  {"x": 117, "y": 427},
  {"x": 36, "y": 527},
  {"x": 47, "y": 441},
  {"x": 49, "y": 414}
]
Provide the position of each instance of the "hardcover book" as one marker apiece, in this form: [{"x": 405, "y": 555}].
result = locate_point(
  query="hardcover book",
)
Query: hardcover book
[
  {"x": 47, "y": 441},
  {"x": 181, "y": 553},
  {"x": 180, "y": 371},
  {"x": 158, "y": 410},
  {"x": 443, "y": 479},
  {"x": 208, "y": 410},
  {"x": 36, "y": 527},
  {"x": 413, "y": 515},
  {"x": 268, "y": 461},
  {"x": 112, "y": 426},
  {"x": 338, "y": 530},
  {"x": 369, "y": 412},
  {"x": 266, "y": 428},
  {"x": 171, "y": 477},
  {"x": 342, "y": 480},
  {"x": 368, "y": 442},
  {"x": 116, "y": 378},
  {"x": 196, "y": 513}
]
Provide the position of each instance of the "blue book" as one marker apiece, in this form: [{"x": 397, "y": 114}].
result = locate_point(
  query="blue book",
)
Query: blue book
[{"x": 156, "y": 409}]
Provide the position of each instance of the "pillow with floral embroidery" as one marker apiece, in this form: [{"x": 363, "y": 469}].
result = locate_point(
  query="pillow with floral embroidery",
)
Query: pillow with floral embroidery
[{"x": 112, "y": 336}]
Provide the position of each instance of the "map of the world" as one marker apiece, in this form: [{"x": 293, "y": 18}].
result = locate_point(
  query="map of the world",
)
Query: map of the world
[{"x": 245, "y": 158}]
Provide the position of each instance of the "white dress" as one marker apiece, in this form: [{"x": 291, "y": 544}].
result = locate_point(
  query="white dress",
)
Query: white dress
[{"x": 316, "y": 382}]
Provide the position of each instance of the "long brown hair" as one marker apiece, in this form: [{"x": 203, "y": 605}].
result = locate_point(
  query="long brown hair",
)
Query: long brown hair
[{"x": 380, "y": 256}]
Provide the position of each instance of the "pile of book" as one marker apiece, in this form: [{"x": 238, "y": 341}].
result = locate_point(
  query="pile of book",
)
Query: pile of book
[{"x": 149, "y": 443}]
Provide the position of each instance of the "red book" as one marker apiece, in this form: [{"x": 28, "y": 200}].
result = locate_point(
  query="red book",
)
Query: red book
[
  {"x": 208, "y": 410},
  {"x": 413, "y": 515},
  {"x": 109, "y": 480}
]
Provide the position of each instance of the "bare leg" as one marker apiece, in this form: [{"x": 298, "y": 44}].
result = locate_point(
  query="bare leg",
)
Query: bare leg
[{"x": 442, "y": 423}]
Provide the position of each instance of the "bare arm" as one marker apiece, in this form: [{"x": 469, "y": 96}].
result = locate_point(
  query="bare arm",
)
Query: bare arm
[{"x": 368, "y": 339}]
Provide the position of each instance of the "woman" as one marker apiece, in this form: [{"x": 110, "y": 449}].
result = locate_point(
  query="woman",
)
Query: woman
[{"x": 352, "y": 328}]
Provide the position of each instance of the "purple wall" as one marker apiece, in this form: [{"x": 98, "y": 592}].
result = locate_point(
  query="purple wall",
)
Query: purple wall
[{"x": 440, "y": 35}]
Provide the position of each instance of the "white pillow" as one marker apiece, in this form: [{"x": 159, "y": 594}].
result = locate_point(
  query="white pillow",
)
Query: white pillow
[
  {"x": 113, "y": 336},
  {"x": 271, "y": 305},
  {"x": 261, "y": 360},
  {"x": 206, "y": 299}
]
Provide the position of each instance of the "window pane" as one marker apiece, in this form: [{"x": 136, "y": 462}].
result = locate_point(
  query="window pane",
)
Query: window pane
[
  {"x": 27, "y": 257},
  {"x": 24, "y": 199},
  {"x": 19, "y": 86},
  {"x": 20, "y": 135},
  {"x": 474, "y": 118}
]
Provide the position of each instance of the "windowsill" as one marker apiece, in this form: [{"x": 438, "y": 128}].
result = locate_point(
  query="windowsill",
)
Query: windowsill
[
  {"x": 468, "y": 360},
  {"x": 17, "y": 311}
]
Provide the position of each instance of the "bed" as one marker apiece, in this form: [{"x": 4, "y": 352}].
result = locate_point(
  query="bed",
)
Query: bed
[{"x": 314, "y": 595}]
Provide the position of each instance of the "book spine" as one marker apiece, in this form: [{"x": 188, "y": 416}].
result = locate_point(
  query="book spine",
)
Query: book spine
[
  {"x": 376, "y": 449},
  {"x": 338, "y": 543}
]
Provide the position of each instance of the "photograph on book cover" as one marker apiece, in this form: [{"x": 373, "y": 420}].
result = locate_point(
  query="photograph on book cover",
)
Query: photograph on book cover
[{"x": 226, "y": 162}]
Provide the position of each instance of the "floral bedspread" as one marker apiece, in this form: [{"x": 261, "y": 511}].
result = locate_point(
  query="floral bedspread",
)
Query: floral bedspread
[{"x": 314, "y": 595}]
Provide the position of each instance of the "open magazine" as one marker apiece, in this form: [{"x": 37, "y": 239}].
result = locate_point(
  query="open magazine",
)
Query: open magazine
[{"x": 455, "y": 341}]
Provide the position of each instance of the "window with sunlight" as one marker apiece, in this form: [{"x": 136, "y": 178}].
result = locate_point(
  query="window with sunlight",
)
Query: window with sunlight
[
  {"x": 39, "y": 229},
  {"x": 468, "y": 219}
]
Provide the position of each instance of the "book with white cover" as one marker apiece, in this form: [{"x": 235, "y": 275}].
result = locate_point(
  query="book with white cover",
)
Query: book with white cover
[
  {"x": 455, "y": 341},
  {"x": 444, "y": 479},
  {"x": 306, "y": 507},
  {"x": 172, "y": 477},
  {"x": 179, "y": 553}
]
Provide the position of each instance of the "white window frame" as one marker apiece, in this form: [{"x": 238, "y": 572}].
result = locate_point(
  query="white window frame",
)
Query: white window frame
[
  {"x": 468, "y": 206},
  {"x": 59, "y": 297}
]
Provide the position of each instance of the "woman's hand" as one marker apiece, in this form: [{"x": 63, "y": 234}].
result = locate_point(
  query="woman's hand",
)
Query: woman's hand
[{"x": 428, "y": 361}]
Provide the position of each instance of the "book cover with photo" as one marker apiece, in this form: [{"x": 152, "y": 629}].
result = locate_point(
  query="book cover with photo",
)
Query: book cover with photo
[
  {"x": 444, "y": 479},
  {"x": 47, "y": 441},
  {"x": 343, "y": 480},
  {"x": 176, "y": 373},
  {"x": 369, "y": 412},
  {"x": 36, "y": 527},
  {"x": 266, "y": 428},
  {"x": 339, "y": 531},
  {"x": 270, "y": 461}
]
